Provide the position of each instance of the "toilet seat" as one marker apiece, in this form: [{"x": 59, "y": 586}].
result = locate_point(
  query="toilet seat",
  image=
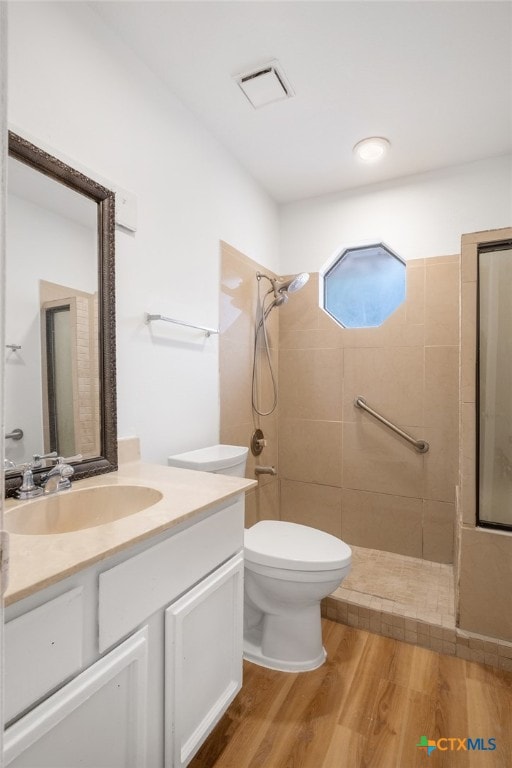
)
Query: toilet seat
[{"x": 290, "y": 546}]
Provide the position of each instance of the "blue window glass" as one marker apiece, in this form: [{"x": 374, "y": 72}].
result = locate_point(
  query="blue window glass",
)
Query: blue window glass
[{"x": 364, "y": 286}]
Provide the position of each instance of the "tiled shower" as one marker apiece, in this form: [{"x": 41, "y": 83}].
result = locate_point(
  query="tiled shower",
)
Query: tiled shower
[{"x": 341, "y": 471}]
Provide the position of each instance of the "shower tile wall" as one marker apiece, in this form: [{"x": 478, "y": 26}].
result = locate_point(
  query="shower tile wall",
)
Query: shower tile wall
[
  {"x": 340, "y": 470},
  {"x": 238, "y": 306}
]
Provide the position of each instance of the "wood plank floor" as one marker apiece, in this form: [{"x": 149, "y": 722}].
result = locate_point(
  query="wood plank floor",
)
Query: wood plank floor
[{"x": 366, "y": 707}]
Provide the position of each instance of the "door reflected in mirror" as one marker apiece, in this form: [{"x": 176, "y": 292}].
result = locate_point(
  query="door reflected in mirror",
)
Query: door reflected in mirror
[
  {"x": 60, "y": 430},
  {"x": 70, "y": 374}
]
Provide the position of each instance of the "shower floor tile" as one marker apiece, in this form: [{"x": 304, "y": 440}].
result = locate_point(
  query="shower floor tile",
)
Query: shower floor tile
[
  {"x": 415, "y": 587},
  {"x": 410, "y": 600}
]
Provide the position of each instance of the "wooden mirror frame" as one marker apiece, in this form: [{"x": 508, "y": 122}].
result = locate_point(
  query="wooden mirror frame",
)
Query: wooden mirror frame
[{"x": 41, "y": 161}]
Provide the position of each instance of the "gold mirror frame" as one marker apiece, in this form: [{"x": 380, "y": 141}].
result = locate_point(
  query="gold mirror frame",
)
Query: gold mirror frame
[{"x": 41, "y": 161}]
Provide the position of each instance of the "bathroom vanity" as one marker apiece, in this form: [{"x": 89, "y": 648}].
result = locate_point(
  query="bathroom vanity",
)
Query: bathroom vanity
[
  {"x": 124, "y": 640},
  {"x": 123, "y": 620}
]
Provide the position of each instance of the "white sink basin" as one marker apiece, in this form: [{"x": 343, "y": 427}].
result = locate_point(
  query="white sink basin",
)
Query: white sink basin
[{"x": 76, "y": 510}]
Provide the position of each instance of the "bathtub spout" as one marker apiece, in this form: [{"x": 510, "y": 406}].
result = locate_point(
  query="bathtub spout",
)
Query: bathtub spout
[{"x": 265, "y": 470}]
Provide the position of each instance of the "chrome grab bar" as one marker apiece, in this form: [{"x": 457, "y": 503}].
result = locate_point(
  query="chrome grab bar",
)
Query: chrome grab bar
[
  {"x": 208, "y": 331},
  {"x": 421, "y": 445}
]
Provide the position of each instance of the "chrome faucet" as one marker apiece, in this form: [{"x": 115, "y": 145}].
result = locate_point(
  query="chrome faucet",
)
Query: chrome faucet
[{"x": 58, "y": 478}]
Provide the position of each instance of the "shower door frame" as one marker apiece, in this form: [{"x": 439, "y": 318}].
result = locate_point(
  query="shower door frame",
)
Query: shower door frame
[{"x": 485, "y": 246}]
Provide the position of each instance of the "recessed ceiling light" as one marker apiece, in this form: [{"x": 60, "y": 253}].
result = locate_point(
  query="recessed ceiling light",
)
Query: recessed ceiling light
[{"x": 371, "y": 149}]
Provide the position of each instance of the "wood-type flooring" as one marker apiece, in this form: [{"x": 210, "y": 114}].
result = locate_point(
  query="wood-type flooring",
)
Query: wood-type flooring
[{"x": 367, "y": 707}]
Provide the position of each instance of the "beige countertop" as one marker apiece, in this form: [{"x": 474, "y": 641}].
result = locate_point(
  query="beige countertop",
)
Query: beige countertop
[{"x": 36, "y": 561}]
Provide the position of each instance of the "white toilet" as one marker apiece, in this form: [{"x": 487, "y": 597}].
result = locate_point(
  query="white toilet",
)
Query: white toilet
[{"x": 289, "y": 568}]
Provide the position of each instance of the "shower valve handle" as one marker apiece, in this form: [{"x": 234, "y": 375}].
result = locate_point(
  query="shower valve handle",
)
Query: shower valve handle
[{"x": 258, "y": 442}]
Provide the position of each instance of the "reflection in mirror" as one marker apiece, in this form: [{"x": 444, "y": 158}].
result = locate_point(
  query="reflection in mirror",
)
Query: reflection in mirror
[
  {"x": 60, "y": 356},
  {"x": 59, "y": 389},
  {"x": 495, "y": 385},
  {"x": 70, "y": 374},
  {"x": 51, "y": 237}
]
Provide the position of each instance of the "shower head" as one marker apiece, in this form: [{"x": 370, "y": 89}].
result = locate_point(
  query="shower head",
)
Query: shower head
[
  {"x": 281, "y": 287},
  {"x": 292, "y": 284}
]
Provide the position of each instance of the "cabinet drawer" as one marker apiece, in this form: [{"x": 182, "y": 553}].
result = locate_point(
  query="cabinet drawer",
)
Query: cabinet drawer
[
  {"x": 43, "y": 648},
  {"x": 133, "y": 590}
]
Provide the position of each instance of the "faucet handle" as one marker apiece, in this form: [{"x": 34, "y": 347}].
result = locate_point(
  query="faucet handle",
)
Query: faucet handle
[
  {"x": 69, "y": 459},
  {"x": 37, "y": 458},
  {"x": 28, "y": 489}
]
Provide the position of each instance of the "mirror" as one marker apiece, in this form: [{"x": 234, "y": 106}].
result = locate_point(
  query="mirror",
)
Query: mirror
[
  {"x": 495, "y": 385},
  {"x": 60, "y": 316}
]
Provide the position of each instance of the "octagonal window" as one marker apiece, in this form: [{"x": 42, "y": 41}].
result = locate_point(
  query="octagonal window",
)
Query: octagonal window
[{"x": 364, "y": 286}]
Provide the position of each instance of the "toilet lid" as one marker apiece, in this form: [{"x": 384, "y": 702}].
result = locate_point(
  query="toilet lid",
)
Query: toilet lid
[{"x": 296, "y": 547}]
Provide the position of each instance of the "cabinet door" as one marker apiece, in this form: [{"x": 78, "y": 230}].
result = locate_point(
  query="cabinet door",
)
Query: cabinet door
[
  {"x": 203, "y": 659},
  {"x": 98, "y": 720},
  {"x": 43, "y": 649}
]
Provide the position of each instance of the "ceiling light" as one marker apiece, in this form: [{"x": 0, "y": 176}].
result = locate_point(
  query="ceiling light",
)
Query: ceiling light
[{"x": 372, "y": 149}]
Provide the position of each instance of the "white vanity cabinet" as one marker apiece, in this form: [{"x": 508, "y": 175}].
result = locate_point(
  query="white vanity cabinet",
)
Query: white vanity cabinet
[
  {"x": 98, "y": 720},
  {"x": 131, "y": 662}
]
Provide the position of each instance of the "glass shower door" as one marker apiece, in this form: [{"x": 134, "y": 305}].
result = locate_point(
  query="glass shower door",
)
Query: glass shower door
[{"x": 495, "y": 385}]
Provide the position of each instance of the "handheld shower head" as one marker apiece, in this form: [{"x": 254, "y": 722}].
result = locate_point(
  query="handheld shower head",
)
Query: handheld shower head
[
  {"x": 276, "y": 296},
  {"x": 280, "y": 299}
]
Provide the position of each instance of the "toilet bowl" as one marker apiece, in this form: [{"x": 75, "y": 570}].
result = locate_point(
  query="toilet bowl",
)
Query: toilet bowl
[{"x": 289, "y": 568}]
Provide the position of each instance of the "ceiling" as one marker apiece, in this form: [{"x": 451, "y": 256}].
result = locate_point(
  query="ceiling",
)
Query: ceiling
[{"x": 435, "y": 78}]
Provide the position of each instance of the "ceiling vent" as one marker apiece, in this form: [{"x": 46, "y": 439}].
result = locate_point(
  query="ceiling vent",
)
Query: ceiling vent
[{"x": 265, "y": 85}]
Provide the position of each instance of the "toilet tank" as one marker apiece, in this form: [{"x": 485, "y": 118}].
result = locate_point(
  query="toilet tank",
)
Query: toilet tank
[{"x": 219, "y": 459}]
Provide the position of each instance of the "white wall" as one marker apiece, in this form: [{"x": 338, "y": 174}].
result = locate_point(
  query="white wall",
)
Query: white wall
[
  {"x": 81, "y": 91},
  {"x": 418, "y": 217}
]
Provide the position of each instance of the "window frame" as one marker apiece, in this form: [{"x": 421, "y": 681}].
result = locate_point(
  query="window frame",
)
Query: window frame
[{"x": 339, "y": 254}]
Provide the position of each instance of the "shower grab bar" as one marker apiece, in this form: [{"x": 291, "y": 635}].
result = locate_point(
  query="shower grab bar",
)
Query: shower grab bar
[
  {"x": 16, "y": 434},
  {"x": 207, "y": 331},
  {"x": 421, "y": 445}
]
